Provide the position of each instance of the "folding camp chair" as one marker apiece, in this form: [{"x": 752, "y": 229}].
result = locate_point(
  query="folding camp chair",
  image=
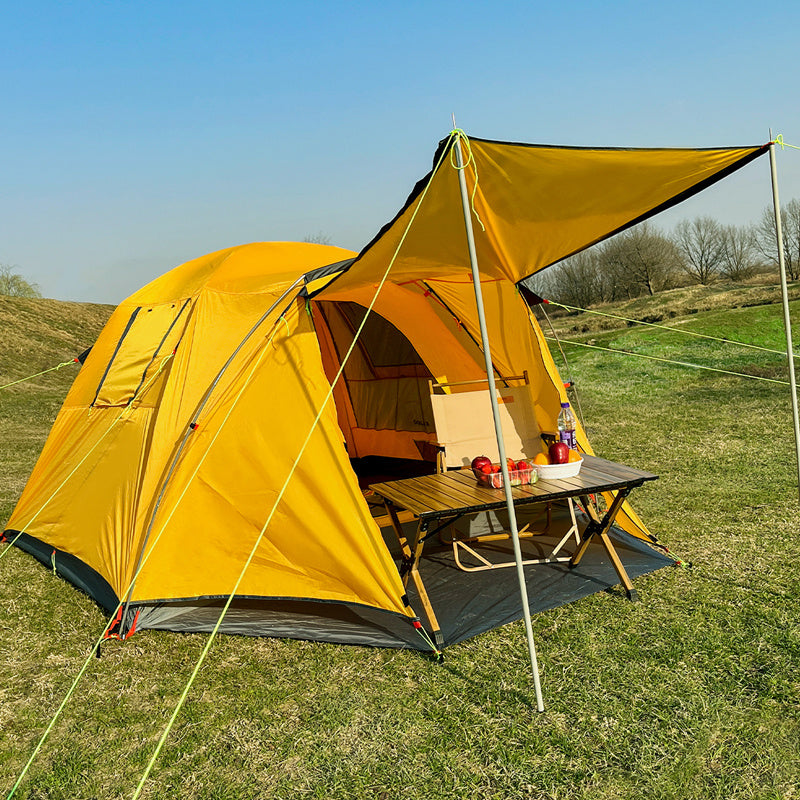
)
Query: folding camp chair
[{"x": 465, "y": 429}]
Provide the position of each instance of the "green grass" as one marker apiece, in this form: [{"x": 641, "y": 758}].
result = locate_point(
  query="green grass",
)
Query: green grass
[{"x": 694, "y": 693}]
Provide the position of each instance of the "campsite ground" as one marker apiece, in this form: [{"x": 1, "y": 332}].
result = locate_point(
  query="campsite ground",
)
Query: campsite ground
[{"x": 691, "y": 693}]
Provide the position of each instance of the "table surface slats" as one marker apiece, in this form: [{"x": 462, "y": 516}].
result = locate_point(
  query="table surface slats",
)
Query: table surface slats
[{"x": 457, "y": 491}]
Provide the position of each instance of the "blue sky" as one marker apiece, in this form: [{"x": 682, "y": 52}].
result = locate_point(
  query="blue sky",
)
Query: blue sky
[{"x": 137, "y": 136}]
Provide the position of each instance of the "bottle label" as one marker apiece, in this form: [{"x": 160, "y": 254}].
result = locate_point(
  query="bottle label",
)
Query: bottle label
[{"x": 568, "y": 437}]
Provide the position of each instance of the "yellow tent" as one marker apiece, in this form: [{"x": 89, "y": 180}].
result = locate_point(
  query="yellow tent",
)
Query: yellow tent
[{"x": 198, "y": 436}]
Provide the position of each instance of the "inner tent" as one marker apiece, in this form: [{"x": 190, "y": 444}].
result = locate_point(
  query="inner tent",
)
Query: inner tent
[{"x": 415, "y": 335}]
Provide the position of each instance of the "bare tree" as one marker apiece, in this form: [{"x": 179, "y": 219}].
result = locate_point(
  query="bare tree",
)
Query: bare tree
[
  {"x": 766, "y": 238},
  {"x": 639, "y": 260},
  {"x": 318, "y": 238},
  {"x": 15, "y": 285},
  {"x": 701, "y": 244},
  {"x": 576, "y": 281},
  {"x": 737, "y": 259}
]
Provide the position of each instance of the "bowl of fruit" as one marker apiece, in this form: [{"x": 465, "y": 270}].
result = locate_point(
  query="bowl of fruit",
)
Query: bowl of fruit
[
  {"x": 558, "y": 462},
  {"x": 520, "y": 473}
]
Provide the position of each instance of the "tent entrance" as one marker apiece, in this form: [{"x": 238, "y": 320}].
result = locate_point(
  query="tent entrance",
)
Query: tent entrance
[{"x": 382, "y": 399}]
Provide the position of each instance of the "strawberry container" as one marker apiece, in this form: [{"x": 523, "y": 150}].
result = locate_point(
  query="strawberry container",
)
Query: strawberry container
[{"x": 517, "y": 477}]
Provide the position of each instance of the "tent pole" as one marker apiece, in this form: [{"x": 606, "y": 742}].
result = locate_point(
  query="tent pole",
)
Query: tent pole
[
  {"x": 787, "y": 324},
  {"x": 473, "y": 260}
]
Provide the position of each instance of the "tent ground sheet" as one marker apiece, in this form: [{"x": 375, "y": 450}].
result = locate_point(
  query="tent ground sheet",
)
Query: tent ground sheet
[{"x": 469, "y": 603}]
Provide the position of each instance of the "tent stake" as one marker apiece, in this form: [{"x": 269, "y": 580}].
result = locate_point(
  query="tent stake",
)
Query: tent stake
[
  {"x": 787, "y": 324},
  {"x": 487, "y": 354}
]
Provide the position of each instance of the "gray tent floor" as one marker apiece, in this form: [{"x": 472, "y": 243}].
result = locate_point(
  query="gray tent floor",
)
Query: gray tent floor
[{"x": 469, "y": 603}]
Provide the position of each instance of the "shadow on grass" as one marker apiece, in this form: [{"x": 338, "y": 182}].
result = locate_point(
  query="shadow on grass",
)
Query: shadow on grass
[{"x": 479, "y": 689}]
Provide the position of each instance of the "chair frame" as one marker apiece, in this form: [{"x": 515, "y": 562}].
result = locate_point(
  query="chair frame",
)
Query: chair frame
[{"x": 462, "y": 543}]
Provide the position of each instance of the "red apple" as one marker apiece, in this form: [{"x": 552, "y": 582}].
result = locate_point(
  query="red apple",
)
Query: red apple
[
  {"x": 480, "y": 461},
  {"x": 558, "y": 452}
]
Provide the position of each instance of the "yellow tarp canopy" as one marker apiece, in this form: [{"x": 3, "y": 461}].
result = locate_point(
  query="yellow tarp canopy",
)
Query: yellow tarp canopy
[{"x": 534, "y": 205}]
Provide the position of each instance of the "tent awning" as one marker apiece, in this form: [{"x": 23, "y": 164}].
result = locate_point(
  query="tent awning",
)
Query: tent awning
[{"x": 534, "y": 205}]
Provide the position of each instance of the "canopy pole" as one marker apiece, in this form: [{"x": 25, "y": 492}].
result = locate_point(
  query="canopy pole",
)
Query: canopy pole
[
  {"x": 473, "y": 260},
  {"x": 787, "y": 324}
]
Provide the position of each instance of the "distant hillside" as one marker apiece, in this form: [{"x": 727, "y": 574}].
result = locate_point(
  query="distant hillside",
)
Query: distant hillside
[
  {"x": 38, "y": 334},
  {"x": 666, "y": 306}
]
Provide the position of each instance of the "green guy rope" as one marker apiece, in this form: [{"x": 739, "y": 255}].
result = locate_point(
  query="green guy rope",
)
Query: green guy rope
[
  {"x": 667, "y": 328},
  {"x": 783, "y": 145},
  {"x": 64, "y": 702},
  {"x": 141, "y": 566},
  {"x": 670, "y": 361},
  {"x": 43, "y": 372},
  {"x": 458, "y": 134}
]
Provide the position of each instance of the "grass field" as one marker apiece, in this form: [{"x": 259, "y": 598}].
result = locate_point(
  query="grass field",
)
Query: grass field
[{"x": 693, "y": 693}]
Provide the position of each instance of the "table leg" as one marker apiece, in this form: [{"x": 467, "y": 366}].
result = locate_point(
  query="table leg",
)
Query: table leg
[
  {"x": 410, "y": 567},
  {"x": 397, "y": 526},
  {"x": 600, "y": 527}
]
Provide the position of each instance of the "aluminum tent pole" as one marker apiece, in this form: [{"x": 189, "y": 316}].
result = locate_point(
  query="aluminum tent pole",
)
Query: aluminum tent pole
[
  {"x": 787, "y": 324},
  {"x": 473, "y": 260}
]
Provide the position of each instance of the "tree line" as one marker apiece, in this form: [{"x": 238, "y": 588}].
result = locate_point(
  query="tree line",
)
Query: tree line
[
  {"x": 13, "y": 284},
  {"x": 644, "y": 260}
]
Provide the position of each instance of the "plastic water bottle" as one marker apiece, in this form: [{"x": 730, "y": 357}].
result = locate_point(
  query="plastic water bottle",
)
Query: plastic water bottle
[{"x": 566, "y": 426}]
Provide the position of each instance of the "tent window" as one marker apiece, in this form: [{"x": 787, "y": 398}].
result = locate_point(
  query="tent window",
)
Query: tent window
[{"x": 151, "y": 334}]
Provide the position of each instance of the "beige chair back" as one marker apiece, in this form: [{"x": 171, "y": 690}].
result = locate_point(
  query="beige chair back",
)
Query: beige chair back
[{"x": 465, "y": 426}]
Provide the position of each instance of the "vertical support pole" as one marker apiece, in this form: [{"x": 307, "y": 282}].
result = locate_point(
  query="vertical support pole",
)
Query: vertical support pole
[
  {"x": 787, "y": 324},
  {"x": 473, "y": 260}
]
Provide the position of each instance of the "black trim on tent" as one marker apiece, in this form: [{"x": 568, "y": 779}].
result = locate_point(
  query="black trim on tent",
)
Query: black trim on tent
[
  {"x": 539, "y": 146},
  {"x": 330, "y": 269},
  {"x": 68, "y": 567},
  {"x": 419, "y": 187},
  {"x": 84, "y": 355},
  {"x": 529, "y": 296},
  {"x": 114, "y": 355},
  {"x": 279, "y": 617},
  {"x": 466, "y": 604}
]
